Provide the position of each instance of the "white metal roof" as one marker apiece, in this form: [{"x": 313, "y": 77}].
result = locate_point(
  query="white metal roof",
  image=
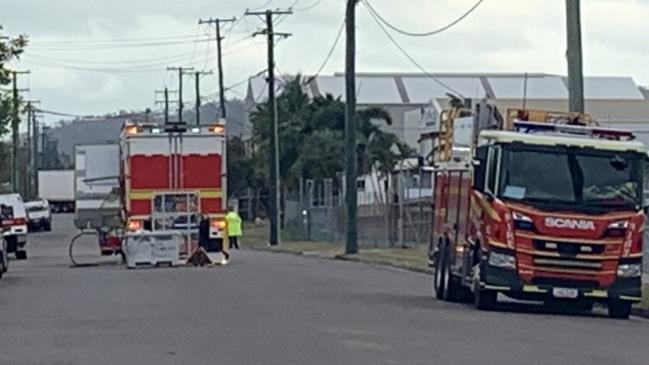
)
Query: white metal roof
[
  {"x": 548, "y": 139},
  {"x": 611, "y": 88},
  {"x": 419, "y": 89},
  {"x": 546, "y": 87},
  {"x": 369, "y": 90}
]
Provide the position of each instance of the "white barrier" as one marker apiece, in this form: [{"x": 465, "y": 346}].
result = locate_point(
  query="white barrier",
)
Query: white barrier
[{"x": 152, "y": 248}]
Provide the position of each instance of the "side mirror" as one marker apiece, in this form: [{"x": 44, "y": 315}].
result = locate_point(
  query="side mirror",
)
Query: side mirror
[{"x": 479, "y": 168}]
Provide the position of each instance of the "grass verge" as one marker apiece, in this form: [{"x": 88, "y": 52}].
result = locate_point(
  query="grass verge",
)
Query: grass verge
[{"x": 415, "y": 259}]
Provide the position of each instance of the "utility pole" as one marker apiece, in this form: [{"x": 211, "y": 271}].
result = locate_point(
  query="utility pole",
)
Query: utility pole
[
  {"x": 575, "y": 57},
  {"x": 35, "y": 149},
  {"x": 165, "y": 101},
  {"x": 31, "y": 169},
  {"x": 198, "y": 75},
  {"x": 217, "y": 24},
  {"x": 181, "y": 72},
  {"x": 44, "y": 145},
  {"x": 351, "y": 243},
  {"x": 274, "y": 138},
  {"x": 15, "y": 125}
]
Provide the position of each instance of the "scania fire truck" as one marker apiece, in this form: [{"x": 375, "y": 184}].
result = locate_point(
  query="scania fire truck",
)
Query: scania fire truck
[
  {"x": 173, "y": 176},
  {"x": 549, "y": 209}
]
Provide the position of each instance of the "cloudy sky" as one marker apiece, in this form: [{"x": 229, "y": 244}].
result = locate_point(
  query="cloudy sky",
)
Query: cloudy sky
[{"x": 99, "y": 56}]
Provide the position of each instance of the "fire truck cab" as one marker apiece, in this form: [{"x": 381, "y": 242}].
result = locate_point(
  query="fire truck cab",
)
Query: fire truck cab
[{"x": 544, "y": 212}]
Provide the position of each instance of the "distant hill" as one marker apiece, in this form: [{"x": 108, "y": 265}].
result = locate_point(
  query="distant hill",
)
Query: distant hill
[{"x": 106, "y": 129}]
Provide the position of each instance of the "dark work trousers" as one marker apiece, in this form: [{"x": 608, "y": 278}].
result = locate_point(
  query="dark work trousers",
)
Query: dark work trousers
[{"x": 234, "y": 241}]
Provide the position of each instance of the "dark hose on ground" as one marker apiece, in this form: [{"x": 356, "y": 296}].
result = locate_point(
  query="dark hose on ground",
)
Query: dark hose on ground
[{"x": 75, "y": 263}]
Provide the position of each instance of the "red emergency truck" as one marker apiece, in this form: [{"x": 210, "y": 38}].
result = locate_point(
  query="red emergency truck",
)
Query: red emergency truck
[
  {"x": 172, "y": 177},
  {"x": 546, "y": 210}
]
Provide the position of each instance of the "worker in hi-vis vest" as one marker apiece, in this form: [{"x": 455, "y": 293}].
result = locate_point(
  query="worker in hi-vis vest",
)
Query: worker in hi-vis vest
[{"x": 234, "y": 227}]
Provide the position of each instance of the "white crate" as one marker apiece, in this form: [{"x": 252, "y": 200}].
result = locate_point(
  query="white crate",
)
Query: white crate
[{"x": 152, "y": 248}]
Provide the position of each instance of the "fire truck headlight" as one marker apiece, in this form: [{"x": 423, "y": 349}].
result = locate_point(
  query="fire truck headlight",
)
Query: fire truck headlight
[
  {"x": 502, "y": 260},
  {"x": 619, "y": 225},
  {"x": 135, "y": 225},
  {"x": 617, "y": 229},
  {"x": 521, "y": 221},
  {"x": 629, "y": 270}
]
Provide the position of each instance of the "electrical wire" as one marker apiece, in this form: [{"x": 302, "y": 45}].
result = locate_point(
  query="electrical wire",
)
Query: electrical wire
[
  {"x": 236, "y": 84},
  {"x": 112, "y": 40},
  {"x": 60, "y": 114},
  {"x": 49, "y": 64},
  {"x": 198, "y": 30},
  {"x": 424, "y": 34},
  {"x": 309, "y": 7},
  {"x": 207, "y": 56},
  {"x": 100, "y": 47},
  {"x": 411, "y": 59},
  {"x": 154, "y": 64},
  {"x": 262, "y": 6},
  {"x": 126, "y": 62},
  {"x": 331, "y": 51}
]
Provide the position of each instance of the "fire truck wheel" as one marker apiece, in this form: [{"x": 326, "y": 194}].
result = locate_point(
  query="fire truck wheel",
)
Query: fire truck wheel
[
  {"x": 21, "y": 255},
  {"x": 438, "y": 277},
  {"x": 453, "y": 291},
  {"x": 484, "y": 299},
  {"x": 5, "y": 262},
  {"x": 619, "y": 309}
]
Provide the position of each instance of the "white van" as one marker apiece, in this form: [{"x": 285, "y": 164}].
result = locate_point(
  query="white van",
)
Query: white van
[
  {"x": 39, "y": 215},
  {"x": 14, "y": 224}
]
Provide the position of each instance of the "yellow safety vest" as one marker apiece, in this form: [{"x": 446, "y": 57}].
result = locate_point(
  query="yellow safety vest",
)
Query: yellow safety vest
[{"x": 234, "y": 224}]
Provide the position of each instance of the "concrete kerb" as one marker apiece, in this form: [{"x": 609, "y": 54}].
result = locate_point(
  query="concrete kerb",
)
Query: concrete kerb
[
  {"x": 383, "y": 263},
  {"x": 343, "y": 257}
]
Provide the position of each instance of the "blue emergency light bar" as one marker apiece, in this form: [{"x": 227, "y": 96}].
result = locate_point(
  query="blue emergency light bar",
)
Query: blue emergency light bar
[{"x": 595, "y": 132}]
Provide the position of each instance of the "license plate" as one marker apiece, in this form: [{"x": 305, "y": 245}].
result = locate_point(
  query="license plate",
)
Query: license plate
[{"x": 565, "y": 293}]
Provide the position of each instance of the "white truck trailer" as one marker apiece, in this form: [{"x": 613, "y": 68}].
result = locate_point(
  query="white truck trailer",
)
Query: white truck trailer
[{"x": 57, "y": 187}]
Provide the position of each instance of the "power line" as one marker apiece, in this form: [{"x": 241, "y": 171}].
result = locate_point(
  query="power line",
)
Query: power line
[
  {"x": 100, "y": 47},
  {"x": 198, "y": 29},
  {"x": 309, "y": 7},
  {"x": 126, "y": 66},
  {"x": 60, "y": 114},
  {"x": 424, "y": 34},
  {"x": 125, "y": 62},
  {"x": 154, "y": 67},
  {"x": 112, "y": 40},
  {"x": 411, "y": 59},
  {"x": 262, "y": 5},
  {"x": 331, "y": 51}
]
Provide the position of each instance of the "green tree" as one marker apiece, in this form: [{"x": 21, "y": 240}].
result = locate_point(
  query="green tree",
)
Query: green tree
[
  {"x": 311, "y": 134},
  {"x": 9, "y": 49},
  {"x": 239, "y": 167}
]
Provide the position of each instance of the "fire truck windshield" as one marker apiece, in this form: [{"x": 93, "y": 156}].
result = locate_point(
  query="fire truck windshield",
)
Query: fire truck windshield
[{"x": 571, "y": 177}]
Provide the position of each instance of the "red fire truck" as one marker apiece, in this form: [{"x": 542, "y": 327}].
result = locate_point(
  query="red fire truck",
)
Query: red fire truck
[
  {"x": 172, "y": 176},
  {"x": 546, "y": 211}
]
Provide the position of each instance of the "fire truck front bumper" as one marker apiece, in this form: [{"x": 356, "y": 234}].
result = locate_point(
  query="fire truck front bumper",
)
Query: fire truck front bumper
[{"x": 509, "y": 282}]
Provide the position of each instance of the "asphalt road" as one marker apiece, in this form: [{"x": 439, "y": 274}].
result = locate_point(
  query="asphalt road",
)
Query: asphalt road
[{"x": 277, "y": 309}]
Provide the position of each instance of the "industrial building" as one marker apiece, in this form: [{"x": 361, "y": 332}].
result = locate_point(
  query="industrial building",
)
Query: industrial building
[{"x": 414, "y": 100}]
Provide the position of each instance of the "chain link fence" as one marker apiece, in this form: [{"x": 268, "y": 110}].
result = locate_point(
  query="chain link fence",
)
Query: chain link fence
[{"x": 317, "y": 212}]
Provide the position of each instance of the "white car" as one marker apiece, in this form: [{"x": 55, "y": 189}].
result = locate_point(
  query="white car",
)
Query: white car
[
  {"x": 39, "y": 215},
  {"x": 14, "y": 224}
]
